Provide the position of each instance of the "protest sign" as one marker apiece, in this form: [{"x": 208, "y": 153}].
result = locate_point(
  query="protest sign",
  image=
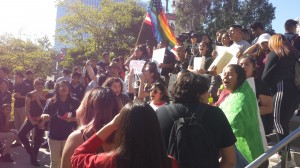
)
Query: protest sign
[
  {"x": 158, "y": 57},
  {"x": 137, "y": 66}
]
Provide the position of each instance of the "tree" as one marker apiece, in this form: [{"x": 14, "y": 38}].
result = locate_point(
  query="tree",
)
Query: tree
[
  {"x": 211, "y": 15},
  {"x": 113, "y": 27},
  {"x": 18, "y": 54}
]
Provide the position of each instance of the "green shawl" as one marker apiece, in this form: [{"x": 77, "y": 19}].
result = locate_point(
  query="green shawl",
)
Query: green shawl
[{"x": 240, "y": 108}]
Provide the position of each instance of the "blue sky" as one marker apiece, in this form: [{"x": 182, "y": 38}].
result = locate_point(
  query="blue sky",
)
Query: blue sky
[
  {"x": 36, "y": 18},
  {"x": 288, "y": 9}
]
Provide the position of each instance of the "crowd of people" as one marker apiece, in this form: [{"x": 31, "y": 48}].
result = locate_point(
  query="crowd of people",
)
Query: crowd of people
[{"x": 106, "y": 115}]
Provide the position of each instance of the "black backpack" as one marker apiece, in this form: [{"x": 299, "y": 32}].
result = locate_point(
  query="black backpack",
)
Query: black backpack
[
  {"x": 190, "y": 141},
  {"x": 295, "y": 43}
]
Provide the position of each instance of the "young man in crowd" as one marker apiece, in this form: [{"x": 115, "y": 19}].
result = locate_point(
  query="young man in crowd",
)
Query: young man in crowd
[{"x": 21, "y": 88}]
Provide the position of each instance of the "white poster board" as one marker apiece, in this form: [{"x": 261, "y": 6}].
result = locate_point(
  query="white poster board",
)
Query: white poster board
[
  {"x": 199, "y": 63},
  {"x": 221, "y": 61},
  {"x": 234, "y": 51},
  {"x": 158, "y": 57},
  {"x": 137, "y": 66},
  {"x": 225, "y": 56}
]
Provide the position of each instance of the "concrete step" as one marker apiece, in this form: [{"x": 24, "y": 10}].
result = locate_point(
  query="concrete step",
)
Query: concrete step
[{"x": 295, "y": 156}]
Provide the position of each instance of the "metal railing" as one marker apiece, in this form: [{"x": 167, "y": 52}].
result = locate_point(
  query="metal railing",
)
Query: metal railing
[{"x": 282, "y": 144}]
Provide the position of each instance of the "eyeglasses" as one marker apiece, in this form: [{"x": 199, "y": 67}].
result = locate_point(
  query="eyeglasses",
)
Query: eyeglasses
[{"x": 155, "y": 91}]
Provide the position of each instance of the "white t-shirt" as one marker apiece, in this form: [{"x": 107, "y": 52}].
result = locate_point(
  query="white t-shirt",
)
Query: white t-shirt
[{"x": 155, "y": 107}]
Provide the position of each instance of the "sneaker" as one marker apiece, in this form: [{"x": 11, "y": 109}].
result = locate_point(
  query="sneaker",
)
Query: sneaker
[
  {"x": 275, "y": 158},
  {"x": 6, "y": 158},
  {"x": 290, "y": 163},
  {"x": 16, "y": 145}
]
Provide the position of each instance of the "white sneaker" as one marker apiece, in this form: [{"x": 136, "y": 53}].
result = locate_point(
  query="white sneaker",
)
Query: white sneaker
[
  {"x": 290, "y": 163},
  {"x": 275, "y": 158}
]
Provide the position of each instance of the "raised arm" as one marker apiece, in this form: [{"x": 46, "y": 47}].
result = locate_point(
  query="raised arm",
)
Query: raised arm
[{"x": 90, "y": 71}]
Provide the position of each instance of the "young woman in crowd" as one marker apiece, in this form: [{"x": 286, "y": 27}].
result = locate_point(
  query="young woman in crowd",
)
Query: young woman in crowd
[
  {"x": 117, "y": 86},
  {"x": 34, "y": 104},
  {"x": 98, "y": 107},
  {"x": 149, "y": 76},
  {"x": 205, "y": 52},
  {"x": 206, "y": 38},
  {"x": 263, "y": 93},
  {"x": 138, "y": 142},
  {"x": 279, "y": 74},
  {"x": 60, "y": 111},
  {"x": 259, "y": 52},
  {"x": 140, "y": 53},
  {"x": 240, "y": 108},
  {"x": 158, "y": 95},
  {"x": 182, "y": 63},
  {"x": 6, "y": 133}
]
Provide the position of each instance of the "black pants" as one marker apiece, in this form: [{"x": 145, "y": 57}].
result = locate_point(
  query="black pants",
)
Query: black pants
[
  {"x": 38, "y": 139},
  {"x": 285, "y": 102}
]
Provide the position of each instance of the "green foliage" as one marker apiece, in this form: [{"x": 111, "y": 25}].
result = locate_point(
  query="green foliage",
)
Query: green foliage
[
  {"x": 18, "y": 54},
  {"x": 211, "y": 15},
  {"x": 113, "y": 27}
]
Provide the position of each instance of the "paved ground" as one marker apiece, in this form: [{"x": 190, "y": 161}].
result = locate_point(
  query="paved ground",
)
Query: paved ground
[{"x": 22, "y": 159}]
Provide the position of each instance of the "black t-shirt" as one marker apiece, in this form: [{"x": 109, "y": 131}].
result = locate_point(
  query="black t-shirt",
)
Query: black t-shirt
[
  {"x": 78, "y": 91},
  {"x": 30, "y": 83},
  {"x": 60, "y": 129},
  {"x": 214, "y": 119},
  {"x": 261, "y": 88},
  {"x": 36, "y": 109},
  {"x": 23, "y": 89},
  {"x": 169, "y": 58},
  {"x": 5, "y": 98}
]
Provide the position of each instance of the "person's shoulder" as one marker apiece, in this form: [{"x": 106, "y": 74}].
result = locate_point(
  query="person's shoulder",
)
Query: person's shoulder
[{"x": 76, "y": 136}]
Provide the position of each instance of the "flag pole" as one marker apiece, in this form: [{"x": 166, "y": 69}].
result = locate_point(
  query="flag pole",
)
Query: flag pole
[{"x": 138, "y": 38}]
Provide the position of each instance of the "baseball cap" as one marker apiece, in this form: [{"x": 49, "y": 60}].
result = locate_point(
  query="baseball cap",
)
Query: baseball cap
[{"x": 263, "y": 37}]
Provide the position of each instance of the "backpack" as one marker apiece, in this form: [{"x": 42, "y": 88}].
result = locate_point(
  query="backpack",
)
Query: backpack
[
  {"x": 297, "y": 74},
  {"x": 295, "y": 40},
  {"x": 190, "y": 141}
]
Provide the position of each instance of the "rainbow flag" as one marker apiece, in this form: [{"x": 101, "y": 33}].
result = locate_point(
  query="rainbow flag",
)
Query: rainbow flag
[{"x": 157, "y": 19}]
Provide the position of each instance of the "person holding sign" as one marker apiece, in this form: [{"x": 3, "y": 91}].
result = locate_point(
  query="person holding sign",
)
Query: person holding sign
[
  {"x": 169, "y": 61},
  {"x": 140, "y": 53},
  {"x": 202, "y": 64},
  {"x": 149, "y": 76}
]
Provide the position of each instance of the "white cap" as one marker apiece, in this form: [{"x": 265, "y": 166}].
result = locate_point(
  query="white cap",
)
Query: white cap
[{"x": 263, "y": 37}]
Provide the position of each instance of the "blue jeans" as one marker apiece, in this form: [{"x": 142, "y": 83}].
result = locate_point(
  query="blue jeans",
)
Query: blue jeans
[{"x": 241, "y": 162}]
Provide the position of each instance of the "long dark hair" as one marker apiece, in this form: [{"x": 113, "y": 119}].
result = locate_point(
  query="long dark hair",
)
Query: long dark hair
[
  {"x": 109, "y": 81},
  {"x": 138, "y": 142},
  {"x": 56, "y": 95},
  {"x": 241, "y": 74},
  {"x": 163, "y": 89},
  {"x": 252, "y": 62},
  {"x": 98, "y": 107},
  {"x": 153, "y": 69}
]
